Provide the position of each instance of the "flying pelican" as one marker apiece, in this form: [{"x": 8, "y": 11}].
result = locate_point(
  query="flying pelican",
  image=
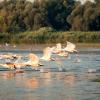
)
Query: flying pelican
[
  {"x": 63, "y": 54},
  {"x": 47, "y": 52},
  {"x": 9, "y": 56},
  {"x": 57, "y": 48},
  {"x": 59, "y": 51},
  {"x": 70, "y": 47},
  {"x": 8, "y": 65},
  {"x": 33, "y": 61},
  {"x": 12, "y": 65},
  {"x": 19, "y": 63},
  {"x": 6, "y": 56},
  {"x": 6, "y": 44},
  {"x": 16, "y": 56}
]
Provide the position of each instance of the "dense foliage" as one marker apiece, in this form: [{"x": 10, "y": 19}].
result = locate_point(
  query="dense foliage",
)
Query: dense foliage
[
  {"x": 48, "y": 35},
  {"x": 21, "y": 15}
]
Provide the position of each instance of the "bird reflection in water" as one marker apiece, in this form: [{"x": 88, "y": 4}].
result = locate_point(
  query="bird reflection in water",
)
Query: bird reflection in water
[
  {"x": 90, "y": 76},
  {"x": 70, "y": 79},
  {"x": 47, "y": 78},
  {"x": 69, "y": 98},
  {"x": 32, "y": 83},
  {"x": 8, "y": 75}
]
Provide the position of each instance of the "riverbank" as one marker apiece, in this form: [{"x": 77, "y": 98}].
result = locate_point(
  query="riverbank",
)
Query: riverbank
[
  {"x": 88, "y": 45},
  {"x": 36, "y": 47},
  {"x": 50, "y": 36}
]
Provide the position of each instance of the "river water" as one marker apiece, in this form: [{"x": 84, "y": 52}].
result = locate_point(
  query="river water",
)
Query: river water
[{"x": 72, "y": 83}]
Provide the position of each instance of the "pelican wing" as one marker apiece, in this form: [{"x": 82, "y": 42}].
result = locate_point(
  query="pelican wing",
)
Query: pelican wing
[
  {"x": 70, "y": 47},
  {"x": 7, "y": 56},
  {"x": 33, "y": 58},
  {"x": 9, "y": 65},
  {"x": 4, "y": 65},
  {"x": 47, "y": 53},
  {"x": 58, "y": 46},
  {"x": 18, "y": 60}
]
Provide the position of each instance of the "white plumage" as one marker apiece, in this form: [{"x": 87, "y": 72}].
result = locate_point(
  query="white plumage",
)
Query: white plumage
[
  {"x": 70, "y": 47},
  {"x": 47, "y": 52}
]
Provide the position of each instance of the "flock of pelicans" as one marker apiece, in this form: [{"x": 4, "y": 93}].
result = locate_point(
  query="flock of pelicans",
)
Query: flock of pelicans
[{"x": 34, "y": 61}]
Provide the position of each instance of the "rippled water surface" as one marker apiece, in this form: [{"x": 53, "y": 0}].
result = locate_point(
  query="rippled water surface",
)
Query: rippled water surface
[{"x": 73, "y": 83}]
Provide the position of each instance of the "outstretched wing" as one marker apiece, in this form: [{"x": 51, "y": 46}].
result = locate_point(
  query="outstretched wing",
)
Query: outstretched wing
[
  {"x": 47, "y": 53},
  {"x": 70, "y": 47},
  {"x": 33, "y": 58},
  {"x": 4, "y": 65},
  {"x": 8, "y": 65},
  {"x": 58, "y": 45}
]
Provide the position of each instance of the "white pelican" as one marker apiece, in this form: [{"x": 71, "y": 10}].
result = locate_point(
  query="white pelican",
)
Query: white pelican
[
  {"x": 57, "y": 49},
  {"x": 19, "y": 63},
  {"x": 47, "y": 52},
  {"x": 6, "y": 56},
  {"x": 33, "y": 60},
  {"x": 70, "y": 47},
  {"x": 13, "y": 65},
  {"x": 6, "y": 44},
  {"x": 8, "y": 65},
  {"x": 63, "y": 54},
  {"x": 9, "y": 56},
  {"x": 16, "y": 56}
]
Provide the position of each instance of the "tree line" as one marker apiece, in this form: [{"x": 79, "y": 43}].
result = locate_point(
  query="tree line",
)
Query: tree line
[{"x": 64, "y": 15}]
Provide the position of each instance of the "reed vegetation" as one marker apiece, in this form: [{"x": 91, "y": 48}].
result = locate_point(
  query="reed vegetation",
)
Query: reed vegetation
[{"x": 49, "y": 35}]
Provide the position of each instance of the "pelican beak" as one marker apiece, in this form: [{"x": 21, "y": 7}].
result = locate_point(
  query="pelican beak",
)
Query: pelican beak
[
  {"x": 52, "y": 59},
  {"x": 40, "y": 64}
]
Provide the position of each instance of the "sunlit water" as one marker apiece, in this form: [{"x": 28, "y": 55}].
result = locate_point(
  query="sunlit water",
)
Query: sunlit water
[{"x": 73, "y": 83}]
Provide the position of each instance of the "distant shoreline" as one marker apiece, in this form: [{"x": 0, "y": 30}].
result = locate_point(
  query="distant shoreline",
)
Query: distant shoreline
[
  {"x": 88, "y": 45},
  {"x": 78, "y": 45},
  {"x": 41, "y": 46}
]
